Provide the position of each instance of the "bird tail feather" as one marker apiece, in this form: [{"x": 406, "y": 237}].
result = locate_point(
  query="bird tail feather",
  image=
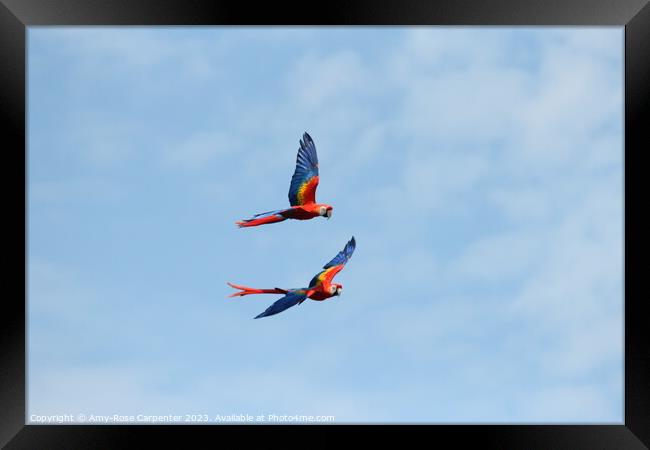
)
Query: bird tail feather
[
  {"x": 263, "y": 218},
  {"x": 244, "y": 290}
]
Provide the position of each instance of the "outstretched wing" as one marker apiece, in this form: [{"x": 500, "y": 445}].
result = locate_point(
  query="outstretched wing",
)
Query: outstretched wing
[
  {"x": 305, "y": 177},
  {"x": 343, "y": 256},
  {"x": 286, "y": 302},
  {"x": 336, "y": 264}
]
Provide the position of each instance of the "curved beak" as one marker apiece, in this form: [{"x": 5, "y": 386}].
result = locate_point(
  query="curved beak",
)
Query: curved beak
[{"x": 328, "y": 214}]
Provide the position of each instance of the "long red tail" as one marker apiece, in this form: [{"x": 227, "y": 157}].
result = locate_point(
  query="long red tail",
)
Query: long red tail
[
  {"x": 243, "y": 290},
  {"x": 261, "y": 221}
]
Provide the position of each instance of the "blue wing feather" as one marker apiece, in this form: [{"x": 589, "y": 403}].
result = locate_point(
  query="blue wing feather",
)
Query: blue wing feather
[
  {"x": 344, "y": 255},
  {"x": 306, "y": 167},
  {"x": 270, "y": 213},
  {"x": 286, "y": 302}
]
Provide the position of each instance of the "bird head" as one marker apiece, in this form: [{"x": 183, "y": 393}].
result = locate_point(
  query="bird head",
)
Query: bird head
[{"x": 326, "y": 211}]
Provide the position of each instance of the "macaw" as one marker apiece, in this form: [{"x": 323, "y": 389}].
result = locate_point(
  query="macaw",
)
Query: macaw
[
  {"x": 302, "y": 191},
  {"x": 320, "y": 287}
]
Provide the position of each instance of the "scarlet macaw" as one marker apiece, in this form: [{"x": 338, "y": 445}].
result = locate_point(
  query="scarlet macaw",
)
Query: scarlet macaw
[
  {"x": 320, "y": 287},
  {"x": 302, "y": 191}
]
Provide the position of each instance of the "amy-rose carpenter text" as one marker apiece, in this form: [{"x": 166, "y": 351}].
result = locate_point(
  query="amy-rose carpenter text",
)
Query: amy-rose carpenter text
[{"x": 144, "y": 418}]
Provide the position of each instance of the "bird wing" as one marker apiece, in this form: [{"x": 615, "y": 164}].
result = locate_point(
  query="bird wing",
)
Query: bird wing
[
  {"x": 305, "y": 178},
  {"x": 335, "y": 265},
  {"x": 291, "y": 299}
]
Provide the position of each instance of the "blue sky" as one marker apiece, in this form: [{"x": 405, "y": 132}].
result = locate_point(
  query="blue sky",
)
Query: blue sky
[{"x": 480, "y": 170}]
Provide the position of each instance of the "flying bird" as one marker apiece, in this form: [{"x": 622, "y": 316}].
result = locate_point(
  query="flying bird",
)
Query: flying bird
[
  {"x": 320, "y": 287},
  {"x": 302, "y": 191}
]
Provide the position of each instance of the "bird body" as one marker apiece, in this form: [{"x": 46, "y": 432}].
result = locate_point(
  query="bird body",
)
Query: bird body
[
  {"x": 298, "y": 212},
  {"x": 302, "y": 191},
  {"x": 321, "y": 287}
]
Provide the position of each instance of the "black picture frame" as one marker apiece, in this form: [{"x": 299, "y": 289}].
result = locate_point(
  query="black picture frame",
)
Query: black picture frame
[{"x": 16, "y": 15}]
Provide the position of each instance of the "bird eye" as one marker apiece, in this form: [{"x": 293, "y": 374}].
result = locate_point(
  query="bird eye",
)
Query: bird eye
[{"x": 332, "y": 289}]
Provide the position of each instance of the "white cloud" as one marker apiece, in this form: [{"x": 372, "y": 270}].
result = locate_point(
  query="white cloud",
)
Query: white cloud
[
  {"x": 97, "y": 139},
  {"x": 137, "y": 49},
  {"x": 201, "y": 148},
  {"x": 500, "y": 258},
  {"x": 577, "y": 402},
  {"x": 318, "y": 80},
  {"x": 76, "y": 191}
]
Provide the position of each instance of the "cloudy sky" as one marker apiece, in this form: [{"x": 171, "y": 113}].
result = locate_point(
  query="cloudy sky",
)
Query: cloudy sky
[{"x": 480, "y": 169}]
